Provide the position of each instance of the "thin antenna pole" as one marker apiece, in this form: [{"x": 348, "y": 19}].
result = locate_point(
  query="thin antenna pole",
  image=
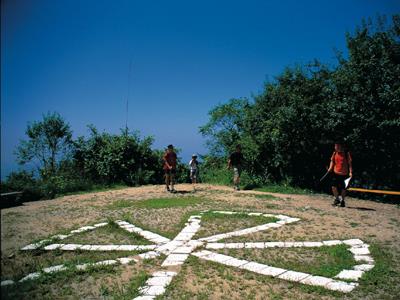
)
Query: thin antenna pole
[{"x": 127, "y": 98}]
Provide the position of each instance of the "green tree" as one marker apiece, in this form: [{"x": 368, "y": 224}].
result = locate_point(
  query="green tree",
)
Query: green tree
[{"x": 49, "y": 142}]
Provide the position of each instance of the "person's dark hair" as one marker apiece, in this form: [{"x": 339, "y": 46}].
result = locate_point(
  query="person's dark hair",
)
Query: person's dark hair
[
  {"x": 238, "y": 146},
  {"x": 170, "y": 146}
]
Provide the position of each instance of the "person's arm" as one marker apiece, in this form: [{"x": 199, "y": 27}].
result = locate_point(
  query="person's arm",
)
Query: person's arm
[
  {"x": 332, "y": 164},
  {"x": 229, "y": 163},
  {"x": 166, "y": 161},
  {"x": 350, "y": 161}
]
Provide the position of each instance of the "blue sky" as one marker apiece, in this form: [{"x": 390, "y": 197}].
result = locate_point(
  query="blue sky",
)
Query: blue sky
[{"x": 73, "y": 57}]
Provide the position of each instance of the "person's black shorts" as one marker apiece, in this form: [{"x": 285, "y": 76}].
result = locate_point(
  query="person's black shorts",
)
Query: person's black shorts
[
  {"x": 170, "y": 171},
  {"x": 338, "y": 181}
]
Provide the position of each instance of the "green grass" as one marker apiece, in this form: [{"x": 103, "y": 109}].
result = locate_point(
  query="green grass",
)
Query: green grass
[
  {"x": 126, "y": 291},
  {"x": 156, "y": 203},
  {"x": 109, "y": 234},
  {"x": 215, "y": 223},
  {"x": 323, "y": 261},
  {"x": 283, "y": 189}
]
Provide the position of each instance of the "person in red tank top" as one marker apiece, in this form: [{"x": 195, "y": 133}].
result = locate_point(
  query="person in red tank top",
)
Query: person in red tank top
[
  {"x": 342, "y": 168},
  {"x": 169, "y": 167}
]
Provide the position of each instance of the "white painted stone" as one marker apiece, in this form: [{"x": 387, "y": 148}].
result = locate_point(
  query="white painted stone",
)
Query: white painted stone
[
  {"x": 233, "y": 245},
  {"x": 195, "y": 243},
  {"x": 353, "y": 242},
  {"x": 145, "y": 298},
  {"x": 255, "y": 245},
  {"x": 255, "y": 214},
  {"x": 282, "y": 222},
  {"x": 253, "y": 267},
  {"x": 170, "y": 246},
  {"x": 264, "y": 226},
  {"x": 164, "y": 273},
  {"x": 82, "y": 267},
  {"x": 30, "y": 276},
  {"x": 340, "y": 286},
  {"x": 7, "y": 282},
  {"x": 61, "y": 236},
  {"x": 274, "y": 225},
  {"x": 183, "y": 236},
  {"x": 292, "y": 220},
  {"x": 154, "y": 290},
  {"x": 100, "y": 224},
  {"x": 183, "y": 250},
  {"x": 54, "y": 269},
  {"x": 350, "y": 274},
  {"x": 234, "y": 262},
  {"x": 135, "y": 247},
  {"x": 70, "y": 247},
  {"x": 289, "y": 244},
  {"x": 313, "y": 244},
  {"x": 177, "y": 257},
  {"x": 215, "y": 246},
  {"x": 53, "y": 246},
  {"x": 282, "y": 217},
  {"x": 125, "y": 260},
  {"x": 33, "y": 246},
  {"x": 363, "y": 267},
  {"x": 274, "y": 244},
  {"x": 366, "y": 258},
  {"x": 122, "y": 222},
  {"x": 268, "y": 215},
  {"x": 332, "y": 242},
  {"x": 159, "y": 280},
  {"x": 202, "y": 253},
  {"x": 359, "y": 251},
  {"x": 148, "y": 255},
  {"x": 272, "y": 271},
  {"x": 294, "y": 276},
  {"x": 106, "y": 262},
  {"x": 316, "y": 280},
  {"x": 298, "y": 244},
  {"x": 108, "y": 247}
]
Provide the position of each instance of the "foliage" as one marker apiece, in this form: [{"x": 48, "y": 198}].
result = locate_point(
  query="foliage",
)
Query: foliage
[
  {"x": 111, "y": 158},
  {"x": 288, "y": 130},
  {"x": 48, "y": 141}
]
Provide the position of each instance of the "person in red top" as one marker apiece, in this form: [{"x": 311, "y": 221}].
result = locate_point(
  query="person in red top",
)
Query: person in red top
[
  {"x": 342, "y": 168},
  {"x": 169, "y": 167}
]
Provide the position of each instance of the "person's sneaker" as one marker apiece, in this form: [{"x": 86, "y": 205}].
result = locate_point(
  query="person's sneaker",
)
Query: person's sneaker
[
  {"x": 167, "y": 189},
  {"x": 336, "y": 202},
  {"x": 342, "y": 204},
  {"x": 173, "y": 191}
]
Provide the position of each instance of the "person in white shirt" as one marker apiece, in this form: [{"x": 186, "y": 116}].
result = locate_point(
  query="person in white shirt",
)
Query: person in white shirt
[{"x": 194, "y": 170}]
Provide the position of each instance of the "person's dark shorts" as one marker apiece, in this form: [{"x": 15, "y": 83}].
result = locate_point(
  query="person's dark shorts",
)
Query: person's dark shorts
[
  {"x": 170, "y": 171},
  {"x": 338, "y": 181}
]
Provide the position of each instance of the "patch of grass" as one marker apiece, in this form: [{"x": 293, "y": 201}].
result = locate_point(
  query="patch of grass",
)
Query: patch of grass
[
  {"x": 126, "y": 291},
  {"x": 169, "y": 202},
  {"x": 43, "y": 287},
  {"x": 354, "y": 224},
  {"x": 283, "y": 189},
  {"x": 323, "y": 261},
  {"x": 265, "y": 197},
  {"x": 215, "y": 223},
  {"x": 382, "y": 282},
  {"x": 109, "y": 234},
  {"x": 120, "y": 204}
]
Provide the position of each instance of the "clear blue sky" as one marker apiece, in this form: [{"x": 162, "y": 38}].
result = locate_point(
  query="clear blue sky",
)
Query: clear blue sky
[{"x": 73, "y": 57}]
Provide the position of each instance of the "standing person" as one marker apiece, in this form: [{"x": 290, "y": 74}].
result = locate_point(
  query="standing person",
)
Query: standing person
[
  {"x": 194, "y": 170},
  {"x": 170, "y": 168},
  {"x": 342, "y": 168},
  {"x": 235, "y": 162}
]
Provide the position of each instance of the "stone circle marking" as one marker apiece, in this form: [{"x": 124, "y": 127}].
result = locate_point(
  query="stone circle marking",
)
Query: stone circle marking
[{"x": 179, "y": 249}]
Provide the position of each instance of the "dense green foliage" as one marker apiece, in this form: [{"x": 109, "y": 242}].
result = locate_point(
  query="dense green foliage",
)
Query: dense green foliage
[{"x": 288, "y": 131}]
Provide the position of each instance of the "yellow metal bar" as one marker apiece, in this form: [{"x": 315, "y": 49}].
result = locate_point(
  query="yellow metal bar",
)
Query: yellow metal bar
[{"x": 374, "y": 191}]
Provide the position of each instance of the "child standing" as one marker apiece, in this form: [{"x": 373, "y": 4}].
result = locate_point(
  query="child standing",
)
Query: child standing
[
  {"x": 194, "y": 170},
  {"x": 342, "y": 168}
]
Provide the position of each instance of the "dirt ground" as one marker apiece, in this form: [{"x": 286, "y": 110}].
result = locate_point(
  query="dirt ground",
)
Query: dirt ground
[{"x": 373, "y": 222}]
